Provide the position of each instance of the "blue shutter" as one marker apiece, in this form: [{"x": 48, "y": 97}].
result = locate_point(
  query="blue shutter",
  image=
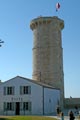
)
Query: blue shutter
[
  {"x": 4, "y": 91},
  {"x": 29, "y": 89},
  {"x": 21, "y": 90}
]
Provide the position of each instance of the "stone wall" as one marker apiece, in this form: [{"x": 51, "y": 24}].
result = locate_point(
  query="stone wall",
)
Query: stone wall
[{"x": 48, "y": 52}]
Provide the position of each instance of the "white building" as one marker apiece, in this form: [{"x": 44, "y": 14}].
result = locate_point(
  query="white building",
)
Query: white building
[{"x": 22, "y": 96}]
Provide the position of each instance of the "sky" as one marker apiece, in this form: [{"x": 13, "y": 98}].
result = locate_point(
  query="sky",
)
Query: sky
[{"x": 16, "y": 52}]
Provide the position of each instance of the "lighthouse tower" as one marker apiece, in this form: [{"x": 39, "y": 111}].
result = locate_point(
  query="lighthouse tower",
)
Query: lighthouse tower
[{"x": 48, "y": 52}]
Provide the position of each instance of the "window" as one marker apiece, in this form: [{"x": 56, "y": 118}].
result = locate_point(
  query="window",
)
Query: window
[
  {"x": 8, "y": 106},
  {"x": 27, "y": 106},
  {"x": 25, "y": 89},
  {"x": 8, "y": 90}
]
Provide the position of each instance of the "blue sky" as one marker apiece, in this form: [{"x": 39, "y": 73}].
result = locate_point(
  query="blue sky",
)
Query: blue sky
[{"x": 16, "y": 52}]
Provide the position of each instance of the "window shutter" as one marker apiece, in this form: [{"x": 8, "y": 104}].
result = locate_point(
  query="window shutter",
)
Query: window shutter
[
  {"x": 29, "y": 106},
  {"x": 29, "y": 89},
  {"x": 21, "y": 106},
  {"x": 4, "y": 90},
  {"x": 13, "y": 106},
  {"x": 21, "y": 90},
  {"x": 5, "y": 106},
  {"x": 13, "y": 88}
]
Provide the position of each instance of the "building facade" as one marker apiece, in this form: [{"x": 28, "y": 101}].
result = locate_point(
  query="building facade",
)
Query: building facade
[
  {"x": 22, "y": 96},
  {"x": 48, "y": 52}
]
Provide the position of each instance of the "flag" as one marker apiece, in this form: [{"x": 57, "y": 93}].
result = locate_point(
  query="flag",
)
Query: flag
[{"x": 57, "y": 6}]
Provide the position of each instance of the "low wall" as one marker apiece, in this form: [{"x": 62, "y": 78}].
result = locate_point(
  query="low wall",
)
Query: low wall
[{"x": 71, "y": 102}]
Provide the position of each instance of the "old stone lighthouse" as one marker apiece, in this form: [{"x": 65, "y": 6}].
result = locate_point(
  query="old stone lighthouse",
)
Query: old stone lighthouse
[
  {"x": 45, "y": 91},
  {"x": 48, "y": 52}
]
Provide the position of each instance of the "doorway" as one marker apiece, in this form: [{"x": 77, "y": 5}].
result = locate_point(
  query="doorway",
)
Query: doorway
[{"x": 17, "y": 108}]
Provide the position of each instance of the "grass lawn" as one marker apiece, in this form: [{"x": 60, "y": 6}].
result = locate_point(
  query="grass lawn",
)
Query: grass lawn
[{"x": 26, "y": 118}]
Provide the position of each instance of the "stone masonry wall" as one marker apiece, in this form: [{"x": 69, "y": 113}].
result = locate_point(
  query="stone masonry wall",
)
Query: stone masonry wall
[{"x": 48, "y": 52}]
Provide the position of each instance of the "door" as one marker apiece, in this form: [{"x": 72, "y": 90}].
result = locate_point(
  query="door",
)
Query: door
[{"x": 17, "y": 108}]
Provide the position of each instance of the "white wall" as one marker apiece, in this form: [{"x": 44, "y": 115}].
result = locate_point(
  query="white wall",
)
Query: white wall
[
  {"x": 51, "y": 97},
  {"x": 35, "y": 97},
  {"x": 38, "y": 107}
]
